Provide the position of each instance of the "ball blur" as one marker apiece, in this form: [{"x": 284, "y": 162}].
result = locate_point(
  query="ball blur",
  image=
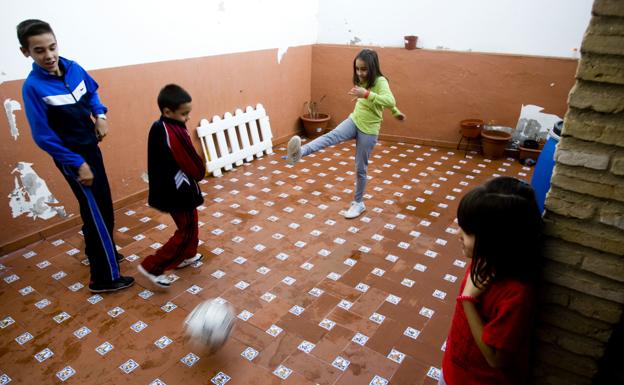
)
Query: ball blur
[{"x": 209, "y": 325}]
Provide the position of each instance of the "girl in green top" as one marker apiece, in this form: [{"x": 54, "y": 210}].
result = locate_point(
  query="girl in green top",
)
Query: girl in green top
[{"x": 373, "y": 94}]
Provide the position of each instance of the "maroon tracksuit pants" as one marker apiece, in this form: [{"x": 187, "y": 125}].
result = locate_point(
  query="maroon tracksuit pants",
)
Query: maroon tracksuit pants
[{"x": 182, "y": 245}]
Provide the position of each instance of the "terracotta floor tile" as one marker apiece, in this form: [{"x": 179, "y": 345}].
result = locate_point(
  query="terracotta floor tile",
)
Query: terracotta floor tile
[
  {"x": 278, "y": 350},
  {"x": 332, "y": 343},
  {"x": 411, "y": 371},
  {"x": 365, "y": 364},
  {"x": 250, "y": 335},
  {"x": 269, "y": 313},
  {"x": 301, "y": 326},
  {"x": 313, "y": 369},
  {"x": 264, "y": 215}
]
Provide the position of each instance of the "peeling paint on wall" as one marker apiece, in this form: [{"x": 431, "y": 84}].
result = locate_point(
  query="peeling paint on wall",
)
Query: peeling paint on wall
[
  {"x": 355, "y": 40},
  {"x": 31, "y": 195},
  {"x": 10, "y": 106},
  {"x": 145, "y": 177},
  {"x": 281, "y": 51}
]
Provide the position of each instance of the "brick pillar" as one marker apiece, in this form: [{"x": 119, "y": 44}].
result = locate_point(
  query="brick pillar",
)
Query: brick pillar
[{"x": 583, "y": 295}]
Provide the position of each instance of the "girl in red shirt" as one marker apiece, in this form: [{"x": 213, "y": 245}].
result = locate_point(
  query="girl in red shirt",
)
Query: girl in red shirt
[{"x": 500, "y": 230}]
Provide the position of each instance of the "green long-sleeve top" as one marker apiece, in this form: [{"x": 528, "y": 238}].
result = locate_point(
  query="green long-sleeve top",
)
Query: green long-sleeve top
[{"x": 368, "y": 113}]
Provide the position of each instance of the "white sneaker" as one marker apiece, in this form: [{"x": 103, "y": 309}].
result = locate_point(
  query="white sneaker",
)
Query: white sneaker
[
  {"x": 158, "y": 280},
  {"x": 189, "y": 261},
  {"x": 294, "y": 150},
  {"x": 356, "y": 209}
]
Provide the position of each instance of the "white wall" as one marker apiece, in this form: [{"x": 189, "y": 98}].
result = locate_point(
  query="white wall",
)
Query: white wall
[
  {"x": 111, "y": 33},
  {"x": 528, "y": 27},
  {"x": 102, "y": 34}
]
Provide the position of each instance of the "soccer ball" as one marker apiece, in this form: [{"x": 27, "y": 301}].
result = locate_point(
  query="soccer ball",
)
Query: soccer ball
[{"x": 209, "y": 324}]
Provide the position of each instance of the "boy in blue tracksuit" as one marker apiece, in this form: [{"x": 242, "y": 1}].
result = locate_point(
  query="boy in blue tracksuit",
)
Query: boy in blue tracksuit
[{"x": 61, "y": 102}]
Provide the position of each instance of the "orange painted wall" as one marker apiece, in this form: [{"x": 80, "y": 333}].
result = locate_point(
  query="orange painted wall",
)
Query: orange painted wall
[
  {"x": 437, "y": 89},
  {"x": 217, "y": 84}
]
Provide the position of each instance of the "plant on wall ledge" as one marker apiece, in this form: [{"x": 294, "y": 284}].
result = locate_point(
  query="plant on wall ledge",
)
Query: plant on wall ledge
[
  {"x": 312, "y": 107},
  {"x": 314, "y": 122}
]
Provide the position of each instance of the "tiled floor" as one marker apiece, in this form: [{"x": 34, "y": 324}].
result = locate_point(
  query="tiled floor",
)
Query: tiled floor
[{"x": 375, "y": 293}]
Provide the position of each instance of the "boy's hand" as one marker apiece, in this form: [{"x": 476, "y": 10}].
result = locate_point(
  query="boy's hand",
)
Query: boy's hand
[
  {"x": 101, "y": 129},
  {"x": 85, "y": 176},
  {"x": 401, "y": 117}
]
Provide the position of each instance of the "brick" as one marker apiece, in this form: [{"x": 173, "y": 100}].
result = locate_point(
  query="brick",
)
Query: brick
[
  {"x": 599, "y": 97},
  {"x": 594, "y": 126},
  {"x": 584, "y": 159},
  {"x": 601, "y": 68},
  {"x": 565, "y": 360},
  {"x": 613, "y": 215},
  {"x": 597, "y": 308},
  {"x": 605, "y": 25},
  {"x": 608, "y": 8},
  {"x": 603, "y": 44},
  {"x": 617, "y": 165},
  {"x": 587, "y": 233},
  {"x": 571, "y": 204},
  {"x": 571, "y": 342},
  {"x": 573, "y": 322},
  {"x": 563, "y": 252},
  {"x": 554, "y": 294},
  {"x": 581, "y": 303},
  {"x": 583, "y": 281},
  {"x": 564, "y": 203},
  {"x": 603, "y": 264},
  {"x": 589, "y": 154},
  {"x": 547, "y": 371},
  {"x": 600, "y": 184}
]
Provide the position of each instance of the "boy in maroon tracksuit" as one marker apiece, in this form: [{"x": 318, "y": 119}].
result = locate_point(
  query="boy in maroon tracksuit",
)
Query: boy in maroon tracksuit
[{"x": 174, "y": 168}]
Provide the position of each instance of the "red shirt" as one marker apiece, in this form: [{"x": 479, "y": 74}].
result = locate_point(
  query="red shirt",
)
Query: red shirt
[{"x": 506, "y": 310}]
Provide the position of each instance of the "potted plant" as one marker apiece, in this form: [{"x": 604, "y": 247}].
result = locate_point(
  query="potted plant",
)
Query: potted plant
[
  {"x": 529, "y": 149},
  {"x": 494, "y": 140},
  {"x": 314, "y": 122}
]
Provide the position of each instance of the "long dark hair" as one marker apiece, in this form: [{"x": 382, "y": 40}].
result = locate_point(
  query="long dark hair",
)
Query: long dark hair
[
  {"x": 369, "y": 57},
  {"x": 504, "y": 218}
]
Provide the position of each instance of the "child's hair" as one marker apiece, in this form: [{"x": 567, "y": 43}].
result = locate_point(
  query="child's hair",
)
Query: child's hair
[
  {"x": 369, "y": 57},
  {"x": 172, "y": 96},
  {"x": 31, "y": 27},
  {"x": 504, "y": 218}
]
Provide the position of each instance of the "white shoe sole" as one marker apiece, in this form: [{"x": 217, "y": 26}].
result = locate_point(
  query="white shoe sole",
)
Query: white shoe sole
[
  {"x": 189, "y": 261},
  {"x": 294, "y": 150},
  {"x": 152, "y": 278}
]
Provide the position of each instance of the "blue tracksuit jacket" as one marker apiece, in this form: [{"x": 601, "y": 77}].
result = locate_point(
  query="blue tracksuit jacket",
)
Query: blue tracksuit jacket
[{"x": 59, "y": 110}]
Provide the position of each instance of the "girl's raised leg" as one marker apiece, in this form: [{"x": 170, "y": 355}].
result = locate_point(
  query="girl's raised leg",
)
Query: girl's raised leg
[{"x": 343, "y": 132}]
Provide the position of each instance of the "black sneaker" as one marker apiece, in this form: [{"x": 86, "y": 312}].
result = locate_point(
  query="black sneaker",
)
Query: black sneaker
[{"x": 118, "y": 284}]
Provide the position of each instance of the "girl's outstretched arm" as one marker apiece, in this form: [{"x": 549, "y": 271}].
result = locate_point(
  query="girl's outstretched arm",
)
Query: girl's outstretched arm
[{"x": 496, "y": 358}]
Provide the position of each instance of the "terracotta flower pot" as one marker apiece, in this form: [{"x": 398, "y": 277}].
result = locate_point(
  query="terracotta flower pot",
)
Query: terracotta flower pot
[
  {"x": 410, "y": 42},
  {"x": 494, "y": 143},
  {"x": 314, "y": 127},
  {"x": 526, "y": 153},
  {"x": 471, "y": 128}
]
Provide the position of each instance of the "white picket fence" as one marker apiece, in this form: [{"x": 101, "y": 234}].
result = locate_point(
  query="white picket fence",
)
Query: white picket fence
[{"x": 234, "y": 139}]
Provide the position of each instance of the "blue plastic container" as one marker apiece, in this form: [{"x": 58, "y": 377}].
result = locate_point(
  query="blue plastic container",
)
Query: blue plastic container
[{"x": 544, "y": 166}]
